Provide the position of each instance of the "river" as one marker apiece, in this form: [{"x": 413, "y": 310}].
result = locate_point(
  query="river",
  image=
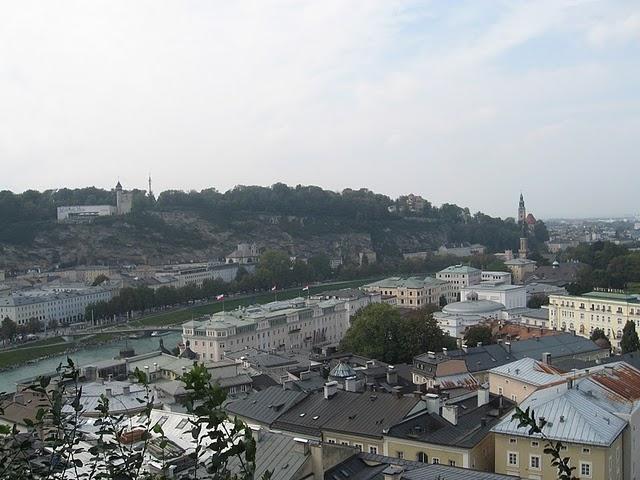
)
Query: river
[{"x": 86, "y": 356}]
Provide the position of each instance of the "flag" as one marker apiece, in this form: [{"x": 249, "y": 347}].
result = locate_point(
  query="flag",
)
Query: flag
[
  {"x": 219, "y": 297},
  {"x": 273, "y": 289},
  {"x": 306, "y": 289}
]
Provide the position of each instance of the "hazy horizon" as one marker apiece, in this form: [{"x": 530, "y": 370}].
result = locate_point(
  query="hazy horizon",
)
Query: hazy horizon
[{"x": 467, "y": 104}]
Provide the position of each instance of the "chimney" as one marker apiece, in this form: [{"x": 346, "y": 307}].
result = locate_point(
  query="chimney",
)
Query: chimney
[
  {"x": 330, "y": 389},
  {"x": 301, "y": 445},
  {"x": 392, "y": 375},
  {"x": 546, "y": 358},
  {"x": 155, "y": 366},
  {"x": 465, "y": 348},
  {"x": 508, "y": 345},
  {"x": 500, "y": 340},
  {"x": 393, "y": 472},
  {"x": 126, "y": 390},
  {"x": 108, "y": 392},
  {"x": 397, "y": 391},
  {"x": 450, "y": 413},
  {"x": 431, "y": 354},
  {"x": 351, "y": 384},
  {"x": 445, "y": 351},
  {"x": 483, "y": 396},
  {"x": 257, "y": 433},
  {"x": 479, "y": 344},
  {"x": 433, "y": 402},
  {"x": 370, "y": 363},
  {"x": 483, "y": 422}
]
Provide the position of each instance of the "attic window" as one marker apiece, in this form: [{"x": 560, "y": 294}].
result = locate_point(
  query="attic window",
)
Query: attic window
[
  {"x": 316, "y": 417},
  {"x": 302, "y": 414}
]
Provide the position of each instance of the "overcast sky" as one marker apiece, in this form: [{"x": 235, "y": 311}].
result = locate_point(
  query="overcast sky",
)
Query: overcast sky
[{"x": 461, "y": 102}]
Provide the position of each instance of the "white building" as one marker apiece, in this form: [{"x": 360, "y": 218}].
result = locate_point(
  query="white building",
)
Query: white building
[
  {"x": 65, "y": 305},
  {"x": 196, "y": 274},
  {"x": 83, "y": 212},
  {"x": 455, "y": 318},
  {"x": 511, "y": 296},
  {"x": 244, "y": 253},
  {"x": 289, "y": 324},
  {"x": 496, "y": 277},
  {"x": 459, "y": 276}
]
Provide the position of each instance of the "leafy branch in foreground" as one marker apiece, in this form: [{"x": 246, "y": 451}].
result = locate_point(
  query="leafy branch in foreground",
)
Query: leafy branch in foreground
[
  {"x": 58, "y": 445},
  {"x": 527, "y": 418}
]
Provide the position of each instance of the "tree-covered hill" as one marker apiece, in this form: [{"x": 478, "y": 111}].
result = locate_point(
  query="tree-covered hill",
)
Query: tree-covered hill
[{"x": 189, "y": 226}]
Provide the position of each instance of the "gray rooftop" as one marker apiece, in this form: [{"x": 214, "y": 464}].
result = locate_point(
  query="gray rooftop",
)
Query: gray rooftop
[
  {"x": 571, "y": 417},
  {"x": 266, "y": 405}
]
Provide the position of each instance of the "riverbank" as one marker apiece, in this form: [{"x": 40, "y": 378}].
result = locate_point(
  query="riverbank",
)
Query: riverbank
[{"x": 50, "y": 347}]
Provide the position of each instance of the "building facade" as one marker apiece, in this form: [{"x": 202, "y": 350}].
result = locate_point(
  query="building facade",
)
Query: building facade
[
  {"x": 605, "y": 310},
  {"x": 511, "y": 296},
  {"x": 413, "y": 292},
  {"x": 290, "y": 324},
  {"x": 459, "y": 276},
  {"x": 62, "y": 305}
]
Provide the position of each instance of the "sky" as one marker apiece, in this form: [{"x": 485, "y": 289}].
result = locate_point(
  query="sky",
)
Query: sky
[{"x": 466, "y": 102}]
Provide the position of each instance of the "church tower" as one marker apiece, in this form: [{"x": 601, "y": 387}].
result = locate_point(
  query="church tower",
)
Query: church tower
[{"x": 522, "y": 211}]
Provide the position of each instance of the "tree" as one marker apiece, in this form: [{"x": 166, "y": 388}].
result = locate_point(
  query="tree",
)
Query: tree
[
  {"x": 598, "y": 333},
  {"x": 33, "y": 325},
  {"x": 376, "y": 332},
  {"x": 379, "y": 331},
  {"x": 537, "y": 301},
  {"x": 442, "y": 301},
  {"x": 478, "y": 334},
  {"x": 100, "y": 279},
  {"x": 8, "y": 329},
  {"x": 630, "y": 341}
]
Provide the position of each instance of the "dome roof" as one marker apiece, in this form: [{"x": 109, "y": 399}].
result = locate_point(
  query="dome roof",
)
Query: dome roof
[
  {"x": 342, "y": 370},
  {"x": 475, "y": 307}
]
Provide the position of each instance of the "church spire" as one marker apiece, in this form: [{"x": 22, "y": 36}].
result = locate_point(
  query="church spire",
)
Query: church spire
[{"x": 522, "y": 211}]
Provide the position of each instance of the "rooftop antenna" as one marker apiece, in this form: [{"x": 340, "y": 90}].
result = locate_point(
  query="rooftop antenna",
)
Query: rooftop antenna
[{"x": 150, "y": 192}]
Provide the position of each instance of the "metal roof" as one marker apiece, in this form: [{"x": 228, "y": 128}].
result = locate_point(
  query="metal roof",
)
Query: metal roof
[
  {"x": 561, "y": 345},
  {"x": 530, "y": 371},
  {"x": 367, "y": 413},
  {"x": 572, "y": 416},
  {"x": 459, "y": 269},
  {"x": 265, "y": 406}
]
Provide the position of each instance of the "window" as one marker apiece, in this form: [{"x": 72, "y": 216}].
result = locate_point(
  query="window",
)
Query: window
[
  {"x": 400, "y": 455},
  {"x": 535, "y": 444},
  {"x": 422, "y": 457},
  {"x": 514, "y": 397},
  {"x": 452, "y": 463},
  {"x": 358, "y": 446},
  {"x": 373, "y": 449},
  {"x": 344, "y": 443},
  {"x": 534, "y": 462},
  {"x": 585, "y": 469},
  {"x": 435, "y": 461},
  {"x": 512, "y": 458},
  {"x": 331, "y": 440},
  {"x": 513, "y": 440},
  {"x": 499, "y": 390},
  {"x": 586, "y": 450}
]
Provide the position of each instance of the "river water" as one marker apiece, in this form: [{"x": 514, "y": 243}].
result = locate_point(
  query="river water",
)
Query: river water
[{"x": 86, "y": 356}]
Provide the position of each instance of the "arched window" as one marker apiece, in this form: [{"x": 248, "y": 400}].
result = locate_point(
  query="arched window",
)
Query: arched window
[
  {"x": 619, "y": 334},
  {"x": 564, "y": 325},
  {"x": 581, "y": 329},
  {"x": 422, "y": 457}
]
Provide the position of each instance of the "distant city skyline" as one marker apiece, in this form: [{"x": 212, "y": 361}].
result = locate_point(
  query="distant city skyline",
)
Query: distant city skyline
[{"x": 470, "y": 103}]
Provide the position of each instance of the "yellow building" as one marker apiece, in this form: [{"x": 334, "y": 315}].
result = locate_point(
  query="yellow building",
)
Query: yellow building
[
  {"x": 451, "y": 432},
  {"x": 591, "y": 435},
  {"x": 517, "y": 380},
  {"x": 413, "y": 292},
  {"x": 584, "y": 313}
]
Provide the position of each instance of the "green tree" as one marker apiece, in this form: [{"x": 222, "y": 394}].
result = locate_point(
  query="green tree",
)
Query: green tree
[
  {"x": 537, "y": 301},
  {"x": 598, "y": 333},
  {"x": 100, "y": 279},
  {"x": 33, "y": 325},
  {"x": 630, "y": 341},
  {"x": 274, "y": 268},
  {"x": 49, "y": 447},
  {"x": 442, "y": 301},
  {"x": 478, "y": 334},
  {"x": 8, "y": 329}
]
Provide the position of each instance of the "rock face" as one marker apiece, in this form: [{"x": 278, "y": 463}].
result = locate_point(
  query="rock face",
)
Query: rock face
[{"x": 179, "y": 236}]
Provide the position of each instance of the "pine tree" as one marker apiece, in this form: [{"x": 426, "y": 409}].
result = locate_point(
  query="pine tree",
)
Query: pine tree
[{"x": 630, "y": 341}]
